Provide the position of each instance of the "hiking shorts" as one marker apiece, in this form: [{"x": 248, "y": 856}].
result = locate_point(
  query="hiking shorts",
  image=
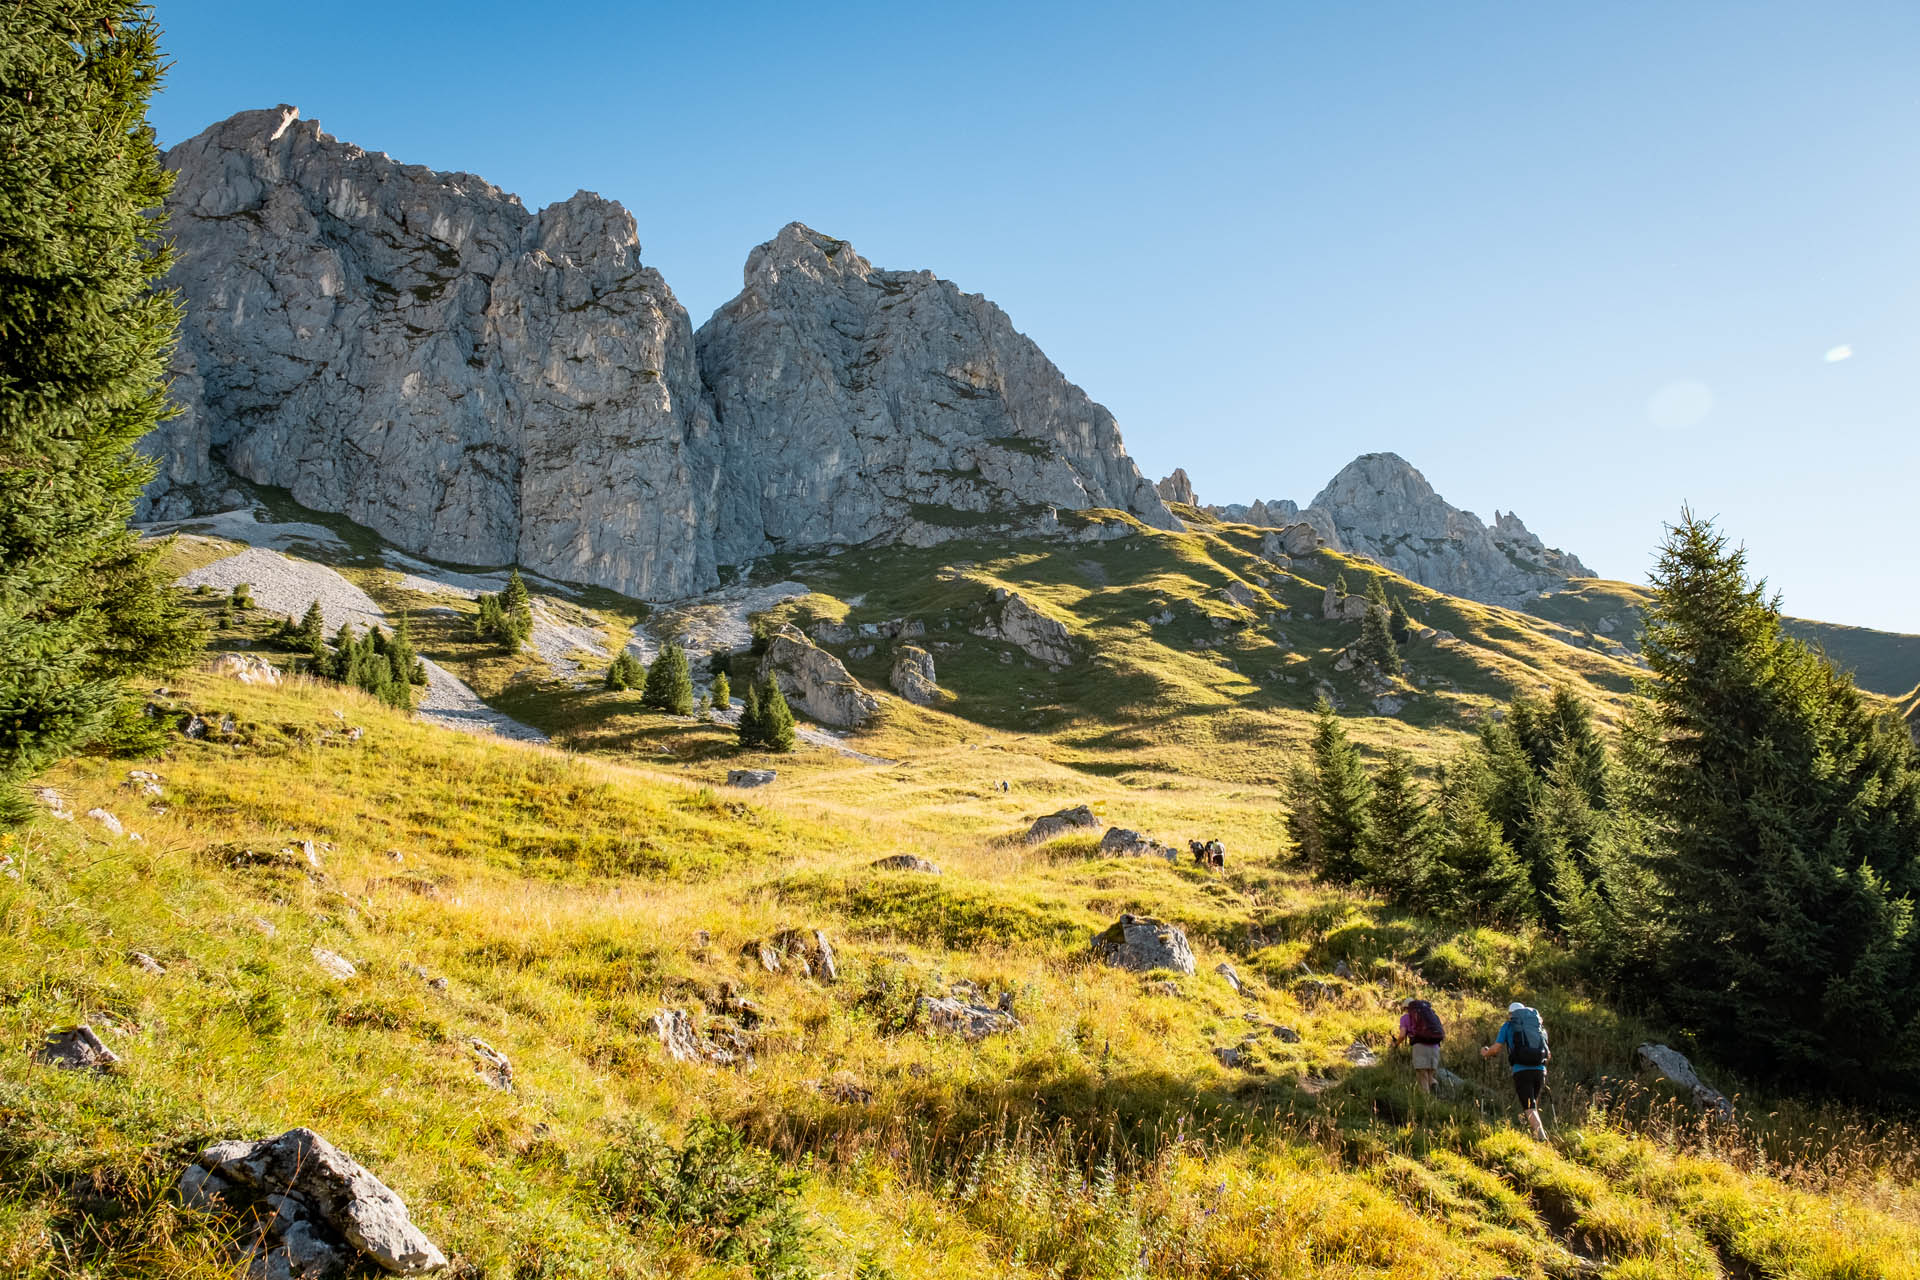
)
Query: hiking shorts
[
  {"x": 1426, "y": 1057},
  {"x": 1527, "y": 1086}
]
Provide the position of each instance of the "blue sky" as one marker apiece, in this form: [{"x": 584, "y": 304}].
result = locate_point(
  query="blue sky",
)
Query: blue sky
[{"x": 1586, "y": 262}]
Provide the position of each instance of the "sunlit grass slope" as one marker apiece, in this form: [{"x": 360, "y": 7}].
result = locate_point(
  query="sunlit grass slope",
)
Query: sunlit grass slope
[{"x": 567, "y": 899}]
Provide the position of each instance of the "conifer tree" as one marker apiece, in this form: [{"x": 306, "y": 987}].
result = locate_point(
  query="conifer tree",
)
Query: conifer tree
[
  {"x": 1480, "y": 876},
  {"x": 1303, "y": 789},
  {"x": 669, "y": 684},
  {"x": 1399, "y": 624},
  {"x": 722, "y": 691},
  {"x": 516, "y": 609},
  {"x": 752, "y": 731},
  {"x": 624, "y": 672},
  {"x": 1401, "y": 844},
  {"x": 310, "y": 636},
  {"x": 84, "y": 340},
  {"x": 1376, "y": 647},
  {"x": 776, "y": 718},
  {"x": 1377, "y": 594},
  {"x": 1341, "y": 794},
  {"x": 1790, "y": 815}
]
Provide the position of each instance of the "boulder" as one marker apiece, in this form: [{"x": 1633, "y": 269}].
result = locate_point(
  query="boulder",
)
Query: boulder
[
  {"x": 1010, "y": 617},
  {"x": 335, "y": 964},
  {"x": 247, "y": 668},
  {"x": 1361, "y": 1056},
  {"x": 494, "y": 1069},
  {"x": 963, "y": 1018},
  {"x": 1335, "y": 607},
  {"x": 685, "y": 1042},
  {"x": 319, "y": 1207},
  {"x": 1674, "y": 1067},
  {"x": 76, "y": 1049},
  {"x": 1286, "y": 1035},
  {"x": 142, "y": 961},
  {"x": 1238, "y": 593},
  {"x": 1121, "y": 842},
  {"x": 54, "y": 803},
  {"x": 905, "y": 862},
  {"x": 107, "y": 821},
  {"x": 912, "y": 676},
  {"x": 750, "y": 777},
  {"x": 1063, "y": 822},
  {"x": 805, "y": 953},
  {"x": 815, "y": 681},
  {"x": 1231, "y": 976},
  {"x": 1143, "y": 943}
]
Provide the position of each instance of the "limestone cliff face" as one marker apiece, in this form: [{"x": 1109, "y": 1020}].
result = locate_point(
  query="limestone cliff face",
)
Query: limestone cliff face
[
  {"x": 419, "y": 352},
  {"x": 1380, "y": 506},
  {"x": 485, "y": 385},
  {"x": 887, "y": 405}
]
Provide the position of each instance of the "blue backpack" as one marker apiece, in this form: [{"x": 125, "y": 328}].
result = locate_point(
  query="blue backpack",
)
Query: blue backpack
[{"x": 1527, "y": 1046}]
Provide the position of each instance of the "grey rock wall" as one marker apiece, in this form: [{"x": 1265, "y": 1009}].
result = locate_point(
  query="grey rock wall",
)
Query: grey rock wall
[{"x": 874, "y": 405}]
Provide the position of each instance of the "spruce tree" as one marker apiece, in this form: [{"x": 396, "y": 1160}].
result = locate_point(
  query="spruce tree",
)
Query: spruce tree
[
  {"x": 1341, "y": 794},
  {"x": 84, "y": 341},
  {"x": 1376, "y": 647},
  {"x": 1401, "y": 853},
  {"x": 1480, "y": 877},
  {"x": 752, "y": 732},
  {"x": 1790, "y": 815},
  {"x": 776, "y": 718},
  {"x": 310, "y": 636},
  {"x": 1399, "y": 623},
  {"x": 722, "y": 691},
  {"x": 669, "y": 684},
  {"x": 516, "y": 610},
  {"x": 1303, "y": 791}
]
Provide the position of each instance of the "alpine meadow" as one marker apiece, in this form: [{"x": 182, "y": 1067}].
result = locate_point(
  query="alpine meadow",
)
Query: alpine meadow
[{"x": 500, "y": 781}]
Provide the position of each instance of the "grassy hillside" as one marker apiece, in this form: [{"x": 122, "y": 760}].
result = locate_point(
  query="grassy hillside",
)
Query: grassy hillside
[
  {"x": 1883, "y": 662},
  {"x": 568, "y": 899}
]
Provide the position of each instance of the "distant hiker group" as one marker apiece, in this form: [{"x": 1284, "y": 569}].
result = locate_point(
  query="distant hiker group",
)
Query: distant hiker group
[
  {"x": 1523, "y": 1035},
  {"x": 1208, "y": 853}
]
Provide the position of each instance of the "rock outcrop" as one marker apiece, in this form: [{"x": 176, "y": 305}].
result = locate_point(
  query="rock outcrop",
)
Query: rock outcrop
[
  {"x": 317, "y": 1206},
  {"x": 419, "y": 352},
  {"x": 1177, "y": 488},
  {"x": 1143, "y": 943},
  {"x": 1063, "y": 823},
  {"x": 873, "y": 405},
  {"x": 912, "y": 676},
  {"x": 815, "y": 681},
  {"x": 1011, "y": 618},
  {"x": 1381, "y": 507},
  {"x": 1672, "y": 1065}
]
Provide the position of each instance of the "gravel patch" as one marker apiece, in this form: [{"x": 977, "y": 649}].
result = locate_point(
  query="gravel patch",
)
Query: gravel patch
[
  {"x": 557, "y": 637},
  {"x": 418, "y": 575},
  {"x": 281, "y": 584},
  {"x": 245, "y": 525},
  {"x": 448, "y": 701},
  {"x": 719, "y": 620}
]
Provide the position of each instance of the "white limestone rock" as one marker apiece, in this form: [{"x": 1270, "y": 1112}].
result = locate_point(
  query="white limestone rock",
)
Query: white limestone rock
[
  {"x": 873, "y": 405},
  {"x": 815, "y": 681},
  {"x": 419, "y": 352},
  {"x": 913, "y": 677}
]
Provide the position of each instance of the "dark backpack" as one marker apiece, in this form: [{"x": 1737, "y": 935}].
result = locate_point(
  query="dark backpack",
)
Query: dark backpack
[
  {"x": 1427, "y": 1027},
  {"x": 1527, "y": 1046}
]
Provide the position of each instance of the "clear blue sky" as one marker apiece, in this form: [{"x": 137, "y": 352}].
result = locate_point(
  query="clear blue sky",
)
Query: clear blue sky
[{"x": 1586, "y": 262}]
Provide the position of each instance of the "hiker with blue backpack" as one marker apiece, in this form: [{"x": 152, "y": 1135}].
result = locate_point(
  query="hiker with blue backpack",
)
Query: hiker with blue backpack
[
  {"x": 1524, "y": 1036},
  {"x": 1422, "y": 1029}
]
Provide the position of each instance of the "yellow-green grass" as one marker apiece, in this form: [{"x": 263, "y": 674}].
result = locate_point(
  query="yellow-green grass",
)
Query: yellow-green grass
[{"x": 564, "y": 896}]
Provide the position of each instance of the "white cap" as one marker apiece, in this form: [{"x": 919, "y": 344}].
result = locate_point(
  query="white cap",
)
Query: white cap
[{"x": 1515, "y": 1007}]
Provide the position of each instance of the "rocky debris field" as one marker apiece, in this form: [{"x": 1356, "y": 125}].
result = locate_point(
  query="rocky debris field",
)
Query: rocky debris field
[{"x": 281, "y": 584}]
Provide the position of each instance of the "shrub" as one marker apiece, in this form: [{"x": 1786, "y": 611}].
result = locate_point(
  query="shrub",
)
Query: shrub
[{"x": 732, "y": 1201}]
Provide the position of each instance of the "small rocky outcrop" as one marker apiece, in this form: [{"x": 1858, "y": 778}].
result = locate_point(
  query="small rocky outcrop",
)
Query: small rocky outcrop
[
  {"x": 805, "y": 953},
  {"x": 912, "y": 676},
  {"x": 310, "y": 1208},
  {"x": 1361, "y": 1056},
  {"x": 1335, "y": 607},
  {"x": 1143, "y": 943},
  {"x": 334, "y": 964},
  {"x": 1231, "y": 977},
  {"x": 1010, "y": 617},
  {"x": 750, "y": 777},
  {"x": 247, "y": 668},
  {"x": 815, "y": 681},
  {"x": 905, "y": 862},
  {"x": 1177, "y": 488},
  {"x": 494, "y": 1069},
  {"x": 1119, "y": 842},
  {"x": 722, "y": 1042},
  {"x": 75, "y": 1049},
  {"x": 1673, "y": 1066},
  {"x": 1061, "y": 823},
  {"x": 964, "y": 1018}
]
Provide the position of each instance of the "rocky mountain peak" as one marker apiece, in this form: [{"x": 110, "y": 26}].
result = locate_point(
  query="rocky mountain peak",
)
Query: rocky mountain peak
[
  {"x": 1379, "y": 505},
  {"x": 802, "y": 250}
]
